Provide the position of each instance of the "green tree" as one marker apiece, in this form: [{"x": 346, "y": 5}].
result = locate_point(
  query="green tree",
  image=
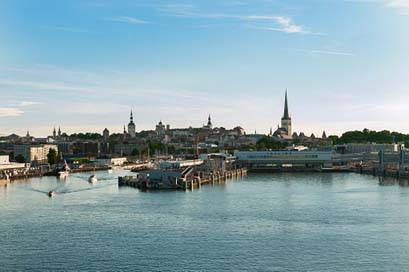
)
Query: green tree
[
  {"x": 267, "y": 143},
  {"x": 52, "y": 156},
  {"x": 135, "y": 152},
  {"x": 20, "y": 159},
  {"x": 334, "y": 139}
]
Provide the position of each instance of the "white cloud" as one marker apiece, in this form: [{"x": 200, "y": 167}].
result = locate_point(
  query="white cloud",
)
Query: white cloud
[
  {"x": 403, "y": 5},
  {"x": 287, "y": 25},
  {"x": 128, "y": 19},
  {"x": 10, "y": 112},
  {"x": 29, "y": 103},
  {"x": 280, "y": 23},
  {"x": 324, "y": 52}
]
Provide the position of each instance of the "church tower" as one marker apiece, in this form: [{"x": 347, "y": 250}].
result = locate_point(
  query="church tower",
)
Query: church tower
[
  {"x": 286, "y": 120},
  {"x": 131, "y": 127},
  {"x": 209, "y": 122}
]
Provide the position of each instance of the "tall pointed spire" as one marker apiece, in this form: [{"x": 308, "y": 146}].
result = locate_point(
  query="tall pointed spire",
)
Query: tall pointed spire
[
  {"x": 286, "y": 115},
  {"x": 131, "y": 118}
]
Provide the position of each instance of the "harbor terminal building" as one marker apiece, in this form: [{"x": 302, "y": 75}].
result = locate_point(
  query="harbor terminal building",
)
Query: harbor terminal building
[{"x": 264, "y": 160}]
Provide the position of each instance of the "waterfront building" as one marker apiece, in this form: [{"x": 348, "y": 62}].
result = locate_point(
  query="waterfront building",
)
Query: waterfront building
[
  {"x": 5, "y": 164},
  {"x": 119, "y": 161},
  {"x": 126, "y": 149},
  {"x": 272, "y": 159},
  {"x": 131, "y": 127},
  {"x": 4, "y": 159},
  {"x": 34, "y": 153},
  {"x": 87, "y": 148},
  {"x": 366, "y": 148}
]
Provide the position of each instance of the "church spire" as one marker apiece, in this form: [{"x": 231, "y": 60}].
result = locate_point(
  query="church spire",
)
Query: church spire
[
  {"x": 286, "y": 115},
  {"x": 131, "y": 117}
]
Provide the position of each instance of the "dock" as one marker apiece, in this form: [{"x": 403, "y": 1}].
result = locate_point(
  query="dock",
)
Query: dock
[{"x": 183, "y": 183}]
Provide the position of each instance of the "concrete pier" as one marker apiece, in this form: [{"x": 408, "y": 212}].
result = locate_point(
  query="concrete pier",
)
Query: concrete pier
[{"x": 192, "y": 183}]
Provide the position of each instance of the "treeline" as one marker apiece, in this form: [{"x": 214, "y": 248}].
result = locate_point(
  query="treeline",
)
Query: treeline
[
  {"x": 264, "y": 144},
  {"x": 86, "y": 136},
  {"x": 370, "y": 136}
]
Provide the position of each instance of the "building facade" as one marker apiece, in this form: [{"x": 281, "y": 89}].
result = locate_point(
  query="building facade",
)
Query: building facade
[{"x": 34, "y": 153}]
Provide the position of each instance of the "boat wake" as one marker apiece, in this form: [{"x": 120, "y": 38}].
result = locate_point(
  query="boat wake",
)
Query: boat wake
[{"x": 61, "y": 190}]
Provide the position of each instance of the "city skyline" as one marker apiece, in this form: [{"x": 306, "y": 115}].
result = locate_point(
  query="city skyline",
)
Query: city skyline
[{"x": 85, "y": 65}]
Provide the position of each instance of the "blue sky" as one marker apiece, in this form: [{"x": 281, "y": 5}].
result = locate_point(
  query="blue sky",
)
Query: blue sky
[{"x": 85, "y": 64}]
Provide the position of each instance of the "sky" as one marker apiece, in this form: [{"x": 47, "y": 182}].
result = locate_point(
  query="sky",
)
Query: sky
[{"x": 83, "y": 65}]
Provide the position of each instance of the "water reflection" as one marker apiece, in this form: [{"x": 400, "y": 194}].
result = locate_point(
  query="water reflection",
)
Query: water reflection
[{"x": 387, "y": 181}]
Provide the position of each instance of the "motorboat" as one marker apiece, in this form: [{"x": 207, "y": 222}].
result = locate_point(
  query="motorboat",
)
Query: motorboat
[
  {"x": 92, "y": 179},
  {"x": 52, "y": 193},
  {"x": 62, "y": 174}
]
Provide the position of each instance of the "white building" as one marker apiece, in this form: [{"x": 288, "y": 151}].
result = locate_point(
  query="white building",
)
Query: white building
[
  {"x": 112, "y": 161},
  {"x": 34, "y": 153},
  {"x": 5, "y": 164}
]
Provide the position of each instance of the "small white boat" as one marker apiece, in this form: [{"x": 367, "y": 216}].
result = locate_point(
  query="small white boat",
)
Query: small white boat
[
  {"x": 62, "y": 174},
  {"x": 52, "y": 193},
  {"x": 92, "y": 179}
]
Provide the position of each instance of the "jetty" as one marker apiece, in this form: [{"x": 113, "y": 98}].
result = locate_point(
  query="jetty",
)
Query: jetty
[{"x": 185, "y": 174}]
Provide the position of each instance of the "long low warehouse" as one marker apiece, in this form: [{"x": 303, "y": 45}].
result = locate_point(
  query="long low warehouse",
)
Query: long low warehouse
[{"x": 279, "y": 158}]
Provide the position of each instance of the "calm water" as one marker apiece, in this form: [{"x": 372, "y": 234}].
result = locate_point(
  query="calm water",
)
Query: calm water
[{"x": 281, "y": 222}]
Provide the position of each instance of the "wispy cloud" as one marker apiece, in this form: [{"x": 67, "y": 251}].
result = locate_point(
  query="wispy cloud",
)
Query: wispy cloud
[
  {"x": 281, "y": 24},
  {"x": 29, "y": 103},
  {"x": 401, "y": 5},
  {"x": 287, "y": 25},
  {"x": 325, "y": 52},
  {"x": 10, "y": 112},
  {"x": 42, "y": 85},
  {"x": 274, "y": 23},
  {"x": 129, "y": 20},
  {"x": 65, "y": 28}
]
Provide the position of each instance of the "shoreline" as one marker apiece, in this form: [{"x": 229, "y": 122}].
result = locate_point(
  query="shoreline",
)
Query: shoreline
[
  {"x": 18, "y": 178},
  {"x": 396, "y": 175}
]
